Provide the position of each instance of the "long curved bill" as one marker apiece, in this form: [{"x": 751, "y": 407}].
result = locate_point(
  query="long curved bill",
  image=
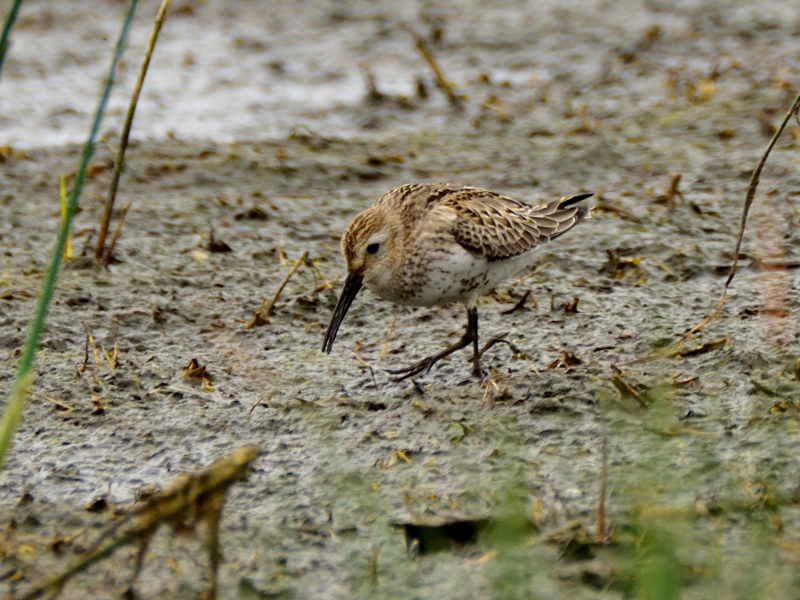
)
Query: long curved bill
[{"x": 352, "y": 285}]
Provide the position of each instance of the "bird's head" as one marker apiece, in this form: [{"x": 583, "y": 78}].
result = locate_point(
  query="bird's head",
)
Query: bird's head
[
  {"x": 371, "y": 255},
  {"x": 368, "y": 246}
]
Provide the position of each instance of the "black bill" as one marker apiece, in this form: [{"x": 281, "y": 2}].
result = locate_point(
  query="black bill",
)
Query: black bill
[{"x": 351, "y": 287}]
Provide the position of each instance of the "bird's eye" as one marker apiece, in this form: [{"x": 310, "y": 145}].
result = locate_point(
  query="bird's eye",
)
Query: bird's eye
[{"x": 372, "y": 248}]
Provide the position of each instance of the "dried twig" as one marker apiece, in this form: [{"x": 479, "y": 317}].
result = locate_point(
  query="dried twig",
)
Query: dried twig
[
  {"x": 533, "y": 273},
  {"x": 326, "y": 283},
  {"x": 372, "y": 564},
  {"x": 262, "y": 400},
  {"x": 388, "y": 337},
  {"x": 63, "y": 405},
  {"x": 191, "y": 500},
  {"x": 90, "y": 341},
  {"x": 261, "y": 314},
  {"x": 100, "y": 251},
  {"x": 626, "y": 390},
  {"x": 85, "y": 364},
  {"x": 521, "y": 304},
  {"x": 602, "y": 533},
  {"x": 673, "y": 192},
  {"x": 115, "y": 355},
  {"x": 441, "y": 80},
  {"x": 751, "y": 192},
  {"x": 107, "y": 256},
  {"x": 751, "y": 189},
  {"x": 373, "y": 93},
  {"x": 707, "y": 347},
  {"x": 364, "y": 363}
]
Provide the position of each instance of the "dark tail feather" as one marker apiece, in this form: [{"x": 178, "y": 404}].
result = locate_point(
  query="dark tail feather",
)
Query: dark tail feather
[
  {"x": 575, "y": 200},
  {"x": 580, "y": 212}
]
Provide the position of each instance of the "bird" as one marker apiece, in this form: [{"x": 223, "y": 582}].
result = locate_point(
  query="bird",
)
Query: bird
[{"x": 427, "y": 244}]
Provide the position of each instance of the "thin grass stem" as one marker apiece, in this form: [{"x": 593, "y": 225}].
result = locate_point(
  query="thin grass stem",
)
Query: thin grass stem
[
  {"x": 7, "y": 26},
  {"x": 19, "y": 390},
  {"x": 100, "y": 248}
]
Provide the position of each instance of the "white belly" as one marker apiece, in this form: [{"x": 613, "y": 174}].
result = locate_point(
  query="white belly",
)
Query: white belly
[{"x": 455, "y": 276}]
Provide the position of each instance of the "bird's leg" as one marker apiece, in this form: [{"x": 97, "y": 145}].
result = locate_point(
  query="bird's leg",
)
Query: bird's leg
[
  {"x": 476, "y": 354},
  {"x": 472, "y": 327},
  {"x": 470, "y": 337}
]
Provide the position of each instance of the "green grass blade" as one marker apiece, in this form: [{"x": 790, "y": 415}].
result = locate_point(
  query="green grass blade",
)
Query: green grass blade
[
  {"x": 19, "y": 391},
  {"x": 10, "y": 18}
]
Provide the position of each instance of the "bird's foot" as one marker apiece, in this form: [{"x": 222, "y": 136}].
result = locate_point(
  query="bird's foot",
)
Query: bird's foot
[
  {"x": 500, "y": 339},
  {"x": 422, "y": 366},
  {"x": 477, "y": 371}
]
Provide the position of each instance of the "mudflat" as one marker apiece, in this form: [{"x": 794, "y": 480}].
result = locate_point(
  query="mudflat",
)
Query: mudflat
[{"x": 265, "y": 128}]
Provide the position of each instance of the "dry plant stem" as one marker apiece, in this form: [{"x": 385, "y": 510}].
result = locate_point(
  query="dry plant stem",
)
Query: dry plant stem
[
  {"x": 602, "y": 534},
  {"x": 85, "y": 364},
  {"x": 90, "y": 341},
  {"x": 56, "y": 583},
  {"x": 115, "y": 356},
  {"x": 138, "y": 563},
  {"x": 626, "y": 390},
  {"x": 325, "y": 285},
  {"x": 708, "y": 346},
  {"x": 533, "y": 273},
  {"x": 751, "y": 188},
  {"x": 99, "y": 251},
  {"x": 110, "y": 361},
  {"x": 388, "y": 336},
  {"x": 269, "y": 308},
  {"x": 373, "y": 93},
  {"x": 63, "y": 405},
  {"x": 115, "y": 237},
  {"x": 441, "y": 80},
  {"x": 252, "y": 408},
  {"x": 189, "y": 501},
  {"x": 751, "y": 193},
  {"x": 213, "y": 515},
  {"x": 372, "y": 564},
  {"x": 364, "y": 364},
  {"x": 262, "y": 313},
  {"x": 520, "y": 304}
]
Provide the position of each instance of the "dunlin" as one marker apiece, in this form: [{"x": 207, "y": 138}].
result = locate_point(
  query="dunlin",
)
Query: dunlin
[{"x": 429, "y": 244}]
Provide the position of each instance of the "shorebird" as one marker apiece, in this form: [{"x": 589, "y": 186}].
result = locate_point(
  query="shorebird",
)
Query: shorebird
[{"x": 430, "y": 244}]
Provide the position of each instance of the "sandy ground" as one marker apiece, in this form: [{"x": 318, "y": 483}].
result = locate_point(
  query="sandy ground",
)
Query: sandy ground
[{"x": 251, "y": 106}]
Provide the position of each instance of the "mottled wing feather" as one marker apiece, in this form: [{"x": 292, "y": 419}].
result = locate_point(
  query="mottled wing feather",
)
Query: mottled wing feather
[
  {"x": 499, "y": 227},
  {"x": 487, "y": 223}
]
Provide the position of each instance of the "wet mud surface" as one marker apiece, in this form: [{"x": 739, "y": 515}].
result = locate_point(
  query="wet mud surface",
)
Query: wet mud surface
[{"x": 610, "y": 98}]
